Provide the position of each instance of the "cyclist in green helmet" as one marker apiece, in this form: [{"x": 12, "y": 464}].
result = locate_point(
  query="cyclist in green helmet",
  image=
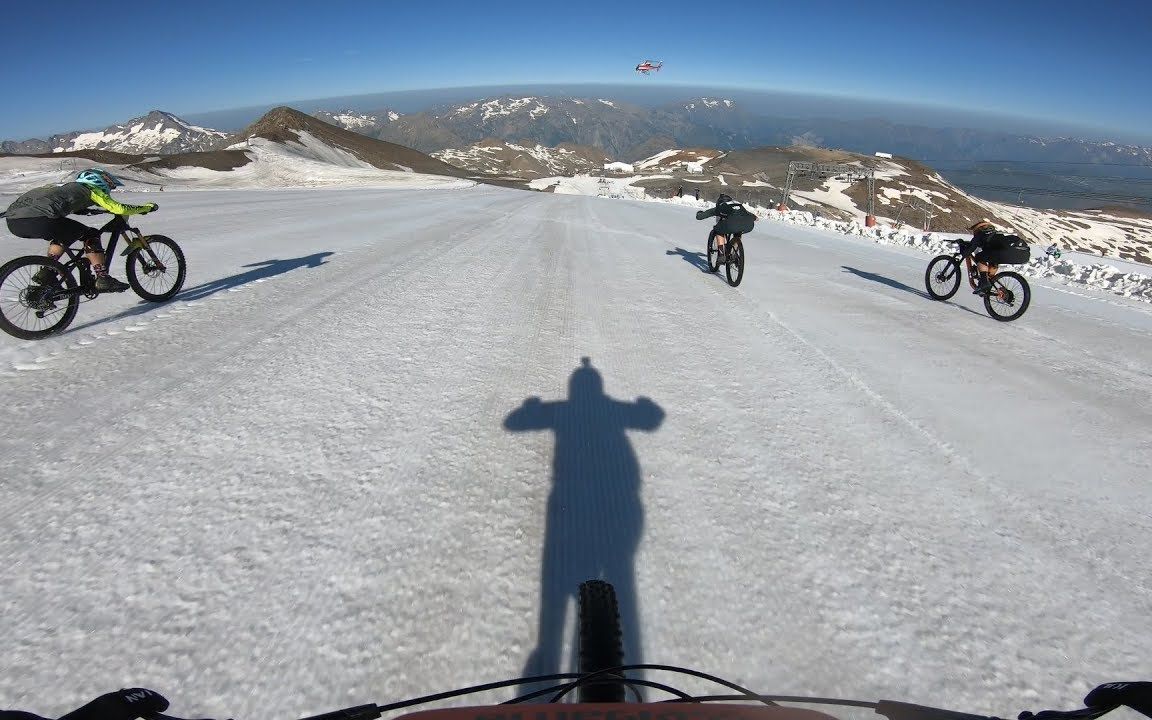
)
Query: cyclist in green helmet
[{"x": 43, "y": 213}]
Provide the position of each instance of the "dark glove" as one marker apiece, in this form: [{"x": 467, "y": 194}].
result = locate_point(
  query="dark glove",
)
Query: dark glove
[
  {"x": 699, "y": 214},
  {"x": 1136, "y": 695},
  {"x": 124, "y": 704}
]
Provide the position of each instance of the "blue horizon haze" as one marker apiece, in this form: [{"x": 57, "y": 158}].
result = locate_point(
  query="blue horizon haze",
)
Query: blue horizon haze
[{"x": 1060, "y": 63}]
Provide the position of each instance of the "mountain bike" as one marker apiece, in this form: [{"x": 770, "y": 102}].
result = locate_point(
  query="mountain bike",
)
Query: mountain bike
[
  {"x": 1006, "y": 299},
  {"x": 31, "y": 309},
  {"x": 603, "y": 684},
  {"x": 732, "y": 256}
]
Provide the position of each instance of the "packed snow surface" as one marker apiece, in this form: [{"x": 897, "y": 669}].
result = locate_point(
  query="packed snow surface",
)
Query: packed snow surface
[{"x": 374, "y": 445}]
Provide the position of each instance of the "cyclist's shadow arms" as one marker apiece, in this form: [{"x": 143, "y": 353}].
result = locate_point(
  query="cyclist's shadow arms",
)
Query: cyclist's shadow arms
[{"x": 594, "y": 515}]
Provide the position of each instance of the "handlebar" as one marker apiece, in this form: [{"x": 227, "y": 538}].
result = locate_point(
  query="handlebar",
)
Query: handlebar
[{"x": 1104, "y": 699}]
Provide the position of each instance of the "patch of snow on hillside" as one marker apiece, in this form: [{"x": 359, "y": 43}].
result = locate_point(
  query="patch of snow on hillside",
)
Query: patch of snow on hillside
[
  {"x": 609, "y": 103},
  {"x": 495, "y": 108},
  {"x": 393, "y": 116},
  {"x": 354, "y": 121},
  {"x": 19, "y": 174},
  {"x": 309, "y": 163},
  {"x": 831, "y": 194},
  {"x": 614, "y": 187},
  {"x": 887, "y": 195},
  {"x": 656, "y": 159}
]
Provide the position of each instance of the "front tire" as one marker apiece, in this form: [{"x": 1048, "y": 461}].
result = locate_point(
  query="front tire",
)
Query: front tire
[
  {"x": 30, "y": 310},
  {"x": 600, "y": 644},
  {"x": 157, "y": 273},
  {"x": 713, "y": 253},
  {"x": 942, "y": 278},
  {"x": 735, "y": 268},
  {"x": 1009, "y": 297}
]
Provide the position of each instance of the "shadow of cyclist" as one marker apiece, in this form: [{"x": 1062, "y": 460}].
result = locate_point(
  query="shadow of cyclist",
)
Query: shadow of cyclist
[
  {"x": 261, "y": 270},
  {"x": 885, "y": 281},
  {"x": 264, "y": 269},
  {"x": 896, "y": 284},
  {"x": 595, "y": 519},
  {"x": 696, "y": 258}
]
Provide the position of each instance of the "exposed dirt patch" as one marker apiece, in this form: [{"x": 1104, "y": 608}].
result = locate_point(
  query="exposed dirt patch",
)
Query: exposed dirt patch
[{"x": 220, "y": 160}]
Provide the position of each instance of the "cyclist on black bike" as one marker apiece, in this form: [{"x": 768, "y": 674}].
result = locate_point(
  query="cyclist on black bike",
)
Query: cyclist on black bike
[
  {"x": 43, "y": 213},
  {"x": 988, "y": 247},
  {"x": 734, "y": 218}
]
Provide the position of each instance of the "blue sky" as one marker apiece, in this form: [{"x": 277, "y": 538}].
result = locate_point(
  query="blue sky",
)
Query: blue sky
[{"x": 1076, "y": 62}]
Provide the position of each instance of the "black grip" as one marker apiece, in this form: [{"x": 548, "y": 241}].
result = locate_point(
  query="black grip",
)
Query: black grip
[
  {"x": 894, "y": 710},
  {"x": 1136, "y": 695}
]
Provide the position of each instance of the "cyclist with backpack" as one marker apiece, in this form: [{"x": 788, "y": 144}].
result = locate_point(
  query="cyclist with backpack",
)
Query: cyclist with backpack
[
  {"x": 732, "y": 218},
  {"x": 43, "y": 213},
  {"x": 990, "y": 249}
]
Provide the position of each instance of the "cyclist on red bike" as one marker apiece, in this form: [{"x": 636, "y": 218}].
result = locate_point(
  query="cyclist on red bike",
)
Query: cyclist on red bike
[
  {"x": 733, "y": 218},
  {"x": 43, "y": 213}
]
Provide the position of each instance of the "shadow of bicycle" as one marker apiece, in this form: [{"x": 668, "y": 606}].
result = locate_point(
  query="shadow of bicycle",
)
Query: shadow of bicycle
[
  {"x": 260, "y": 271},
  {"x": 901, "y": 286},
  {"x": 697, "y": 259}
]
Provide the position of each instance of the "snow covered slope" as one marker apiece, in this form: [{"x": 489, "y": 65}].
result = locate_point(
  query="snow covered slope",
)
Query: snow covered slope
[{"x": 362, "y": 457}]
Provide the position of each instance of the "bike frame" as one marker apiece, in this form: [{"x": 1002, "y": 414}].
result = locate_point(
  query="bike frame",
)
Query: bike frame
[{"x": 116, "y": 227}]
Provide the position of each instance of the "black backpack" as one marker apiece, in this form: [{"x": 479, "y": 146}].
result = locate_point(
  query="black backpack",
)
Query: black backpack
[
  {"x": 1016, "y": 250},
  {"x": 737, "y": 218}
]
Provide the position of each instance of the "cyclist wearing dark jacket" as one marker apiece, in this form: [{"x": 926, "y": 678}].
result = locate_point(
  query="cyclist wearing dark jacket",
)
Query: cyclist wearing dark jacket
[
  {"x": 988, "y": 247},
  {"x": 732, "y": 218},
  {"x": 43, "y": 213}
]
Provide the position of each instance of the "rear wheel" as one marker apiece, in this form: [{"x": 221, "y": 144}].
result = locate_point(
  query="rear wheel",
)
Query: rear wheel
[
  {"x": 1009, "y": 297},
  {"x": 38, "y": 297},
  {"x": 713, "y": 253},
  {"x": 600, "y": 644},
  {"x": 735, "y": 269},
  {"x": 942, "y": 278},
  {"x": 156, "y": 273}
]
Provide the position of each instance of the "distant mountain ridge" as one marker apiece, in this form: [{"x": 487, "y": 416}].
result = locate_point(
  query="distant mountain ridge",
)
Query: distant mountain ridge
[
  {"x": 157, "y": 132},
  {"x": 1056, "y": 168},
  {"x": 624, "y": 131},
  {"x": 284, "y": 124}
]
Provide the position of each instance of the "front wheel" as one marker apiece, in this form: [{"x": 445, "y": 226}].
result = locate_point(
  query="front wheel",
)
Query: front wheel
[
  {"x": 600, "y": 644},
  {"x": 713, "y": 254},
  {"x": 735, "y": 269},
  {"x": 1009, "y": 296},
  {"x": 942, "y": 278},
  {"x": 38, "y": 297},
  {"x": 156, "y": 271}
]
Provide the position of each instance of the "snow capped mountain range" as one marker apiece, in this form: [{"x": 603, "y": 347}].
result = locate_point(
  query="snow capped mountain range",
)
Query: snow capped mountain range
[
  {"x": 506, "y": 159},
  {"x": 364, "y": 123},
  {"x": 158, "y": 132}
]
